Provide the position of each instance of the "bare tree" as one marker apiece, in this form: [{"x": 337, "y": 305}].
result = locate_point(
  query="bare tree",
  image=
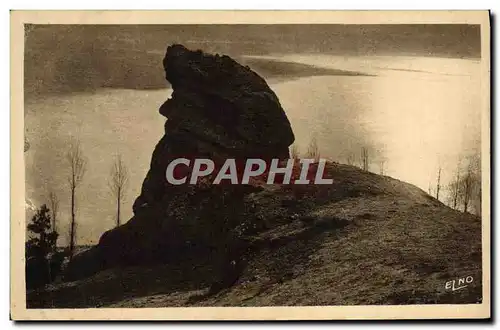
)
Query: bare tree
[
  {"x": 350, "y": 159},
  {"x": 382, "y": 163},
  {"x": 26, "y": 144},
  {"x": 54, "y": 207},
  {"x": 364, "y": 158},
  {"x": 467, "y": 186},
  {"x": 78, "y": 165},
  {"x": 465, "y": 189},
  {"x": 438, "y": 183},
  {"x": 454, "y": 189},
  {"x": 118, "y": 183},
  {"x": 477, "y": 196},
  {"x": 294, "y": 152},
  {"x": 313, "y": 150}
]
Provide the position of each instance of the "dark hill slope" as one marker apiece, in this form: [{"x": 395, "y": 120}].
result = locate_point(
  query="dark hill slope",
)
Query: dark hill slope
[{"x": 366, "y": 239}]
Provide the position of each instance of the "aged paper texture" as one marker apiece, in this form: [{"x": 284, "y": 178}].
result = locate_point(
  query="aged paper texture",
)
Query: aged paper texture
[{"x": 250, "y": 165}]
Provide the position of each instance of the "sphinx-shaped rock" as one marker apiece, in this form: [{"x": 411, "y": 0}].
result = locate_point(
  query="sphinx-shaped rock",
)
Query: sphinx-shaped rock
[{"x": 218, "y": 110}]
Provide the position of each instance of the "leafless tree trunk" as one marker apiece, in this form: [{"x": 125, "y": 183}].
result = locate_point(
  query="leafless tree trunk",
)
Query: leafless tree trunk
[
  {"x": 382, "y": 163},
  {"x": 364, "y": 158},
  {"x": 478, "y": 197},
  {"x": 26, "y": 144},
  {"x": 118, "y": 183},
  {"x": 78, "y": 164},
  {"x": 313, "y": 150},
  {"x": 456, "y": 189},
  {"x": 438, "y": 183},
  {"x": 476, "y": 193},
  {"x": 54, "y": 207},
  {"x": 294, "y": 152},
  {"x": 467, "y": 187},
  {"x": 350, "y": 159}
]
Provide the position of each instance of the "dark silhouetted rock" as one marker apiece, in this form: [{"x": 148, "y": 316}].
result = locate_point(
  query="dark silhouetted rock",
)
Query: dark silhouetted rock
[{"x": 218, "y": 110}]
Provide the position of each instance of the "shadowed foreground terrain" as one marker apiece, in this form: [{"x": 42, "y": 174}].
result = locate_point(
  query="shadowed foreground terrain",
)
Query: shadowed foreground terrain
[{"x": 365, "y": 239}]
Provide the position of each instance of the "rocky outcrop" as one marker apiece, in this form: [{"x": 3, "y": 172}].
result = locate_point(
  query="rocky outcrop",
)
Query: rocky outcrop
[
  {"x": 218, "y": 110},
  {"x": 366, "y": 240}
]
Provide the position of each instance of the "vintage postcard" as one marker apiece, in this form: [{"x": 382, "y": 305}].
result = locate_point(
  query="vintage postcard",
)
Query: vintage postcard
[{"x": 294, "y": 165}]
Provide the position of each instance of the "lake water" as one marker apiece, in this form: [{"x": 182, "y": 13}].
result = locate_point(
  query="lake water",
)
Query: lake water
[{"x": 414, "y": 114}]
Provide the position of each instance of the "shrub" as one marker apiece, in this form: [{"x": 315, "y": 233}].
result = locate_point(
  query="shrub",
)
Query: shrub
[{"x": 43, "y": 262}]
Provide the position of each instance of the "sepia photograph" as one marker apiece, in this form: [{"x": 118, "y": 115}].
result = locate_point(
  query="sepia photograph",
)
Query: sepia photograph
[{"x": 250, "y": 159}]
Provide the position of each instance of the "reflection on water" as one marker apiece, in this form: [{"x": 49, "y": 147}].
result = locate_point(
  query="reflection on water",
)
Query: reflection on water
[
  {"x": 412, "y": 113},
  {"x": 417, "y": 113}
]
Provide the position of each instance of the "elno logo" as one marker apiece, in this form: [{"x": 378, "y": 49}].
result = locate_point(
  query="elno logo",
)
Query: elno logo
[{"x": 459, "y": 284}]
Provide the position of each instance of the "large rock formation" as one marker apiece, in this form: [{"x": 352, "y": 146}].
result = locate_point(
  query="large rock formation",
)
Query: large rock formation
[
  {"x": 218, "y": 110},
  {"x": 366, "y": 240}
]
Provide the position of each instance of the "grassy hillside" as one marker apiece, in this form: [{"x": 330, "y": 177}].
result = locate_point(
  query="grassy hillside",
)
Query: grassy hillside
[{"x": 366, "y": 239}]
